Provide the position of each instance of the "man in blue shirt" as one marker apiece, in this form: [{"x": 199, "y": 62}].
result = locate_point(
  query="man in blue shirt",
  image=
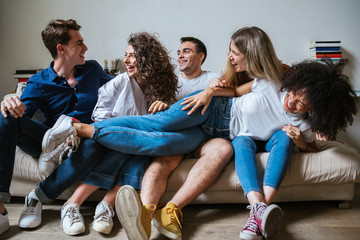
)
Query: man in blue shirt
[{"x": 69, "y": 86}]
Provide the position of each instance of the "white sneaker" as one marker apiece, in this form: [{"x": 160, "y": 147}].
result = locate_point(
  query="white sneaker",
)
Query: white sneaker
[
  {"x": 59, "y": 133},
  {"x": 4, "y": 222},
  {"x": 71, "y": 220},
  {"x": 31, "y": 214},
  {"x": 103, "y": 221},
  {"x": 58, "y": 140},
  {"x": 51, "y": 160}
]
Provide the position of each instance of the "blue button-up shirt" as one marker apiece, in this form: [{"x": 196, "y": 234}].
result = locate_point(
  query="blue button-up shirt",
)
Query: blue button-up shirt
[{"x": 53, "y": 96}]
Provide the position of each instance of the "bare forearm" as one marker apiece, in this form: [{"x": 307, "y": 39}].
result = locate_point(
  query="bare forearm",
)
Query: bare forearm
[{"x": 222, "y": 91}]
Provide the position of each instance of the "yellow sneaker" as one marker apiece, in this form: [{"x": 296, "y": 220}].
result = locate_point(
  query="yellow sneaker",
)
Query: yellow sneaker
[
  {"x": 168, "y": 221},
  {"x": 133, "y": 215}
]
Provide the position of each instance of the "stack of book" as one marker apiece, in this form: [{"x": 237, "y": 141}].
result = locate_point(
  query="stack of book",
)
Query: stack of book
[
  {"x": 325, "y": 49},
  {"x": 24, "y": 75}
]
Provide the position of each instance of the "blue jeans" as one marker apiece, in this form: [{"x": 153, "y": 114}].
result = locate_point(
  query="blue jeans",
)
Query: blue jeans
[
  {"x": 88, "y": 156},
  {"x": 280, "y": 147},
  {"x": 118, "y": 169},
  {"x": 170, "y": 132},
  {"x": 23, "y": 132}
]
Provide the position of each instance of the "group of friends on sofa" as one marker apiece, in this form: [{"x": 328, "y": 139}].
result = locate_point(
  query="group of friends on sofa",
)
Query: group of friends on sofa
[{"x": 129, "y": 132}]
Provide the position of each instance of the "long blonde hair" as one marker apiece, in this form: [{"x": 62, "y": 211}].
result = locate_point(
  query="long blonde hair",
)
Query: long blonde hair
[{"x": 260, "y": 57}]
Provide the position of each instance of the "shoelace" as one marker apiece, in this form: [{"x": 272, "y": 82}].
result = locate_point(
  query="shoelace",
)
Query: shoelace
[
  {"x": 74, "y": 215},
  {"x": 104, "y": 214},
  {"x": 174, "y": 219},
  {"x": 29, "y": 209},
  {"x": 259, "y": 210},
  {"x": 251, "y": 223},
  {"x": 71, "y": 145}
]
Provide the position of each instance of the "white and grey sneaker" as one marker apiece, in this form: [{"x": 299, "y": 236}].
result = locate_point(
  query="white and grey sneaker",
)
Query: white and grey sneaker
[
  {"x": 71, "y": 220},
  {"x": 4, "y": 222},
  {"x": 31, "y": 214},
  {"x": 103, "y": 221},
  {"x": 58, "y": 141},
  {"x": 59, "y": 133}
]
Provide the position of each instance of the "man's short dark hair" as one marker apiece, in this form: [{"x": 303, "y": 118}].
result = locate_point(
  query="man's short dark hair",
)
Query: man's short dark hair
[
  {"x": 56, "y": 32},
  {"x": 199, "y": 45}
]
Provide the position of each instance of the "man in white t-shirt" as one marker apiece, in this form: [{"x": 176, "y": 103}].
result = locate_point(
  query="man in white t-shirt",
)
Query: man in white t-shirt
[{"x": 213, "y": 156}]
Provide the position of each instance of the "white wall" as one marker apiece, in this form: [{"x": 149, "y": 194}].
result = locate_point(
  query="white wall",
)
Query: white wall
[{"x": 106, "y": 25}]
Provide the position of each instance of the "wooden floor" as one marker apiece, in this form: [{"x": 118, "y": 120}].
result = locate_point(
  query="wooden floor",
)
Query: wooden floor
[{"x": 303, "y": 221}]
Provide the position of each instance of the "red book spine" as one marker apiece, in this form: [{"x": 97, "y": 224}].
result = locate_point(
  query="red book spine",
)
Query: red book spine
[
  {"x": 329, "y": 55},
  {"x": 22, "y": 79}
]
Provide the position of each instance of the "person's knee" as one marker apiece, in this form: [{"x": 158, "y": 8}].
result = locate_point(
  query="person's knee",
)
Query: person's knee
[
  {"x": 220, "y": 150},
  {"x": 5, "y": 122},
  {"x": 281, "y": 137},
  {"x": 243, "y": 142},
  {"x": 164, "y": 164}
]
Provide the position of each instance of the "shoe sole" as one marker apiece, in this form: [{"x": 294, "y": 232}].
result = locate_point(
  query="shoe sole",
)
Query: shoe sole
[
  {"x": 48, "y": 132},
  {"x": 245, "y": 236},
  {"x": 128, "y": 209},
  {"x": 73, "y": 233},
  {"x": 165, "y": 232},
  {"x": 101, "y": 230},
  {"x": 271, "y": 220}
]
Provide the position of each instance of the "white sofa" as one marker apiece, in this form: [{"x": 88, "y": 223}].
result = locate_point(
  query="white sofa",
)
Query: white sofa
[{"x": 330, "y": 174}]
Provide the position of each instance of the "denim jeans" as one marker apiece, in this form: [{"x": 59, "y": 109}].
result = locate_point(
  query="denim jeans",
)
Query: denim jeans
[
  {"x": 280, "y": 147},
  {"x": 88, "y": 156},
  {"x": 23, "y": 132},
  {"x": 118, "y": 169},
  {"x": 170, "y": 132}
]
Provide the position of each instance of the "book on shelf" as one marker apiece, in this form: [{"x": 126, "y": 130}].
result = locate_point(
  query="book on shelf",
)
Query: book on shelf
[
  {"x": 327, "y": 55},
  {"x": 24, "y": 75},
  {"x": 325, "y": 49},
  {"x": 314, "y": 53},
  {"x": 28, "y": 71},
  {"x": 325, "y": 44}
]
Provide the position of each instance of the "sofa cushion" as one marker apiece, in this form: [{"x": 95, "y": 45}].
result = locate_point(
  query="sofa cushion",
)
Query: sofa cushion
[
  {"x": 336, "y": 163},
  {"x": 26, "y": 167}
]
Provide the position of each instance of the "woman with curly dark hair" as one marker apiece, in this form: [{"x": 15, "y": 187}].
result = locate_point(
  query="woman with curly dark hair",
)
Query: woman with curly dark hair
[
  {"x": 155, "y": 75},
  {"x": 149, "y": 85},
  {"x": 328, "y": 92}
]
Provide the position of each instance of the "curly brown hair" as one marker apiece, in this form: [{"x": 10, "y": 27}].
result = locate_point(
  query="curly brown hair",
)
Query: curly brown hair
[
  {"x": 155, "y": 68},
  {"x": 331, "y": 97}
]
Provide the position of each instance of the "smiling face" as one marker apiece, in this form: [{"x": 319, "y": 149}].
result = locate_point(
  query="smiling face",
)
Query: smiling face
[
  {"x": 131, "y": 63},
  {"x": 296, "y": 103},
  {"x": 188, "y": 58},
  {"x": 237, "y": 59},
  {"x": 74, "y": 50}
]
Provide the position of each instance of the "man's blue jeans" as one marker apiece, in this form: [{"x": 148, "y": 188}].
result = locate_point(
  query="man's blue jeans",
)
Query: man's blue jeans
[
  {"x": 88, "y": 155},
  {"x": 24, "y": 132},
  {"x": 170, "y": 132},
  {"x": 280, "y": 147},
  {"x": 117, "y": 169}
]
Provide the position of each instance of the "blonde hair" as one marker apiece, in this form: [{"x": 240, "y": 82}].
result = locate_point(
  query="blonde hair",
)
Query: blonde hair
[{"x": 260, "y": 57}]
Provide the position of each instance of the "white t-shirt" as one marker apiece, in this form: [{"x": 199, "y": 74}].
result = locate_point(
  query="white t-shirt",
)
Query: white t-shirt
[
  {"x": 260, "y": 113},
  {"x": 189, "y": 86},
  {"x": 119, "y": 97}
]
